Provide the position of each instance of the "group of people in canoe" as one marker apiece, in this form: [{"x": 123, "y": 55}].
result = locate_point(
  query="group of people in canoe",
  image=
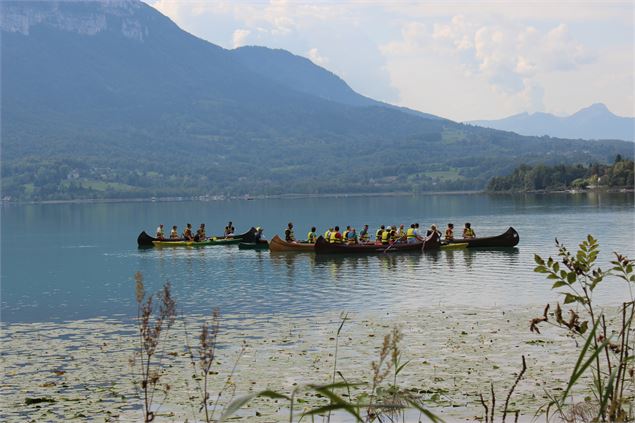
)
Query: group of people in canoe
[
  {"x": 189, "y": 235},
  {"x": 385, "y": 234}
]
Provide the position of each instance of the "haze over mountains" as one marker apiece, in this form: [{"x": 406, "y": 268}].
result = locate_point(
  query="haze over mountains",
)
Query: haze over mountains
[
  {"x": 112, "y": 99},
  {"x": 593, "y": 122}
]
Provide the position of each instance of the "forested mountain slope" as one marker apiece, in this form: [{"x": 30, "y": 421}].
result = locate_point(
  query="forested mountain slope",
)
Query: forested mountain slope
[{"x": 112, "y": 99}]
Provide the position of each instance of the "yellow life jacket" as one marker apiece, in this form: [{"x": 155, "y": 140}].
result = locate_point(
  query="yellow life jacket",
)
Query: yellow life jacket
[
  {"x": 363, "y": 236},
  {"x": 345, "y": 234},
  {"x": 385, "y": 237},
  {"x": 378, "y": 234},
  {"x": 468, "y": 232},
  {"x": 410, "y": 233},
  {"x": 334, "y": 238},
  {"x": 291, "y": 234},
  {"x": 310, "y": 237},
  {"x": 327, "y": 236}
]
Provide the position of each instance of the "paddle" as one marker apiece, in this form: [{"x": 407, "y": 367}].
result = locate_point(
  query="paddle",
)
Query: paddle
[{"x": 394, "y": 242}]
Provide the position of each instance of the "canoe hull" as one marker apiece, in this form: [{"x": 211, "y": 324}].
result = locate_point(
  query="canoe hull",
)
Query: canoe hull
[
  {"x": 208, "y": 243},
  {"x": 261, "y": 245},
  {"x": 144, "y": 240},
  {"x": 509, "y": 238},
  {"x": 278, "y": 244},
  {"x": 324, "y": 247},
  {"x": 454, "y": 246}
]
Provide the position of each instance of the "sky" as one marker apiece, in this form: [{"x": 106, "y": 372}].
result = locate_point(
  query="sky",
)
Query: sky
[{"x": 463, "y": 60}]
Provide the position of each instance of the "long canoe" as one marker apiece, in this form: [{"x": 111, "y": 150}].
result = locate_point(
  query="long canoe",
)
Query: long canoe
[
  {"x": 324, "y": 247},
  {"x": 509, "y": 238},
  {"x": 279, "y": 244},
  {"x": 145, "y": 240}
]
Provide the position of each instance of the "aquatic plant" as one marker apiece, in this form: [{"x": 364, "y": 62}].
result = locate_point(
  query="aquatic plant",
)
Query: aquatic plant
[
  {"x": 489, "y": 417},
  {"x": 378, "y": 402},
  {"x": 607, "y": 341},
  {"x": 202, "y": 359},
  {"x": 152, "y": 325}
]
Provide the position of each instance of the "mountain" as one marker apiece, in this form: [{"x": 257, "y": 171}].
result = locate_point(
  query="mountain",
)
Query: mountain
[
  {"x": 593, "y": 122},
  {"x": 112, "y": 99},
  {"x": 301, "y": 74}
]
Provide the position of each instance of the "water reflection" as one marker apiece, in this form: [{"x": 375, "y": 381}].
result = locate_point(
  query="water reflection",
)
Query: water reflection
[{"x": 70, "y": 282}]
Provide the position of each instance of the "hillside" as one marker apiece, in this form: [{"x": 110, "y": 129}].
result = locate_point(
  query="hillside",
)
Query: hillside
[
  {"x": 114, "y": 100},
  {"x": 619, "y": 175},
  {"x": 593, "y": 122}
]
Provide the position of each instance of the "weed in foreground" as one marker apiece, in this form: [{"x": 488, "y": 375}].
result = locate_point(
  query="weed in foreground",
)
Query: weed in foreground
[
  {"x": 153, "y": 325},
  {"x": 607, "y": 341}
]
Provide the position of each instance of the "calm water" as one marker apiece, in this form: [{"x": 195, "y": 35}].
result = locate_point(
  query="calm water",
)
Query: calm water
[{"x": 72, "y": 261}]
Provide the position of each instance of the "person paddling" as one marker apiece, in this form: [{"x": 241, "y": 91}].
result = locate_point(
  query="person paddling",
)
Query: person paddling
[
  {"x": 449, "y": 232},
  {"x": 174, "y": 233},
  {"x": 468, "y": 232},
  {"x": 229, "y": 230},
  {"x": 289, "y": 236},
  {"x": 187, "y": 233},
  {"x": 379, "y": 234},
  {"x": 385, "y": 235},
  {"x": 364, "y": 236},
  {"x": 311, "y": 237},
  {"x": 336, "y": 236},
  {"x": 411, "y": 236},
  {"x": 200, "y": 233},
  {"x": 345, "y": 234},
  {"x": 160, "y": 232},
  {"x": 351, "y": 237},
  {"x": 401, "y": 233}
]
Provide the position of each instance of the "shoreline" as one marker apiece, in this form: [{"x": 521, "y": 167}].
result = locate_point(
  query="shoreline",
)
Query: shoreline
[{"x": 294, "y": 196}]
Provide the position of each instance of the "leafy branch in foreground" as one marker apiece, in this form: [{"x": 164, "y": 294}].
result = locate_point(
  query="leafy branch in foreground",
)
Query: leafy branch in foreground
[{"x": 607, "y": 350}]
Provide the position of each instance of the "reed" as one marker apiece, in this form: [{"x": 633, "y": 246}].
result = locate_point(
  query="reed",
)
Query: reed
[
  {"x": 153, "y": 325},
  {"x": 202, "y": 359}
]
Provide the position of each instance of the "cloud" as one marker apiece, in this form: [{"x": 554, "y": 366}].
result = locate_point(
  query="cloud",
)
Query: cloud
[
  {"x": 239, "y": 37},
  {"x": 316, "y": 57},
  {"x": 494, "y": 58},
  {"x": 509, "y": 57}
]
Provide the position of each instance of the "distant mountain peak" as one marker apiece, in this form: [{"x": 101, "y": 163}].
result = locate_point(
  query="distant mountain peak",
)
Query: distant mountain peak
[
  {"x": 597, "y": 109},
  {"x": 593, "y": 122}
]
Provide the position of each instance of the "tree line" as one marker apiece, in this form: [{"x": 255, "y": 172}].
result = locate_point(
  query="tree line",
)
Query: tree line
[{"x": 620, "y": 174}]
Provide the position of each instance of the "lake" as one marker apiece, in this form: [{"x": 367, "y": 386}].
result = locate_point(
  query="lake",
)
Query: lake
[{"x": 77, "y": 260}]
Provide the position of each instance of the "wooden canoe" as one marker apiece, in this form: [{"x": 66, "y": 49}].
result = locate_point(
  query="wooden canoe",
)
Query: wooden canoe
[
  {"x": 509, "y": 238},
  {"x": 279, "y": 244},
  {"x": 145, "y": 240},
  {"x": 324, "y": 247}
]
